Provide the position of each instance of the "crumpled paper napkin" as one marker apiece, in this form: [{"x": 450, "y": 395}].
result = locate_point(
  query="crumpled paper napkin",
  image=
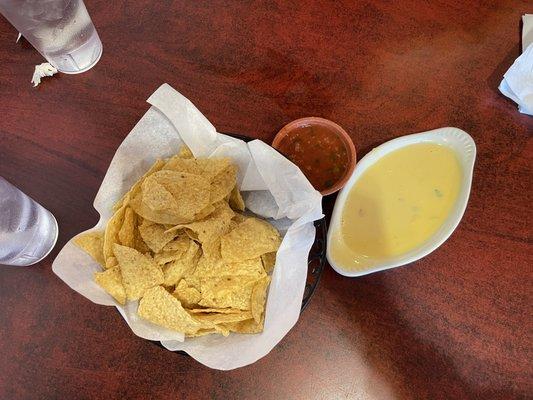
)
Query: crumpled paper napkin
[
  {"x": 517, "y": 83},
  {"x": 41, "y": 71}
]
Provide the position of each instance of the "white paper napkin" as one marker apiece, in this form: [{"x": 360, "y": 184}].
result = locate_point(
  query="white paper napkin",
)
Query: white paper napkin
[
  {"x": 41, "y": 71},
  {"x": 527, "y": 30},
  {"x": 517, "y": 83}
]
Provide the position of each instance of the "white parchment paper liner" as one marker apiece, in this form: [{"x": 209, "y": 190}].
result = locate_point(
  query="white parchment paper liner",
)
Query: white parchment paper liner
[{"x": 273, "y": 188}]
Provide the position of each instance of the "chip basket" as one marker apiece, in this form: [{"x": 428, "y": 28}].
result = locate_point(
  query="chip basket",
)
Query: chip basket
[{"x": 316, "y": 261}]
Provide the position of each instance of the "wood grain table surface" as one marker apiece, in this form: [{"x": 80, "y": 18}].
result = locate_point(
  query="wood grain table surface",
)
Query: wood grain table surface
[{"x": 454, "y": 325}]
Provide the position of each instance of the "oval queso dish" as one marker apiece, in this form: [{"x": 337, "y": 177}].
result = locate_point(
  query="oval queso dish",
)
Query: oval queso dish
[{"x": 403, "y": 200}]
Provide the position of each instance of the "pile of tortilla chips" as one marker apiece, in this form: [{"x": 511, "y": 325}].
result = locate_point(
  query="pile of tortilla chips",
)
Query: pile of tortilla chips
[{"x": 177, "y": 243}]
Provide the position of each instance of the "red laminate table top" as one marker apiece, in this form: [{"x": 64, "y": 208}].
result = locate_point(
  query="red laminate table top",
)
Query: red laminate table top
[{"x": 454, "y": 325}]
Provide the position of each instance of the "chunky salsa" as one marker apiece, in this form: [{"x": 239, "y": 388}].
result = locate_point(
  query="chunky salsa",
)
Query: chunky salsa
[{"x": 319, "y": 152}]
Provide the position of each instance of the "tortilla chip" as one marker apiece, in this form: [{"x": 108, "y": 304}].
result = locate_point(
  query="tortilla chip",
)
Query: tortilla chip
[
  {"x": 223, "y": 183},
  {"x": 247, "y": 326},
  {"x": 111, "y": 281},
  {"x": 111, "y": 262},
  {"x": 126, "y": 198},
  {"x": 201, "y": 332},
  {"x": 211, "y": 227},
  {"x": 253, "y": 268},
  {"x": 212, "y": 167},
  {"x": 238, "y": 218},
  {"x": 207, "y": 268},
  {"x": 227, "y": 292},
  {"x": 166, "y": 257},
  {"x": 215, "y": 310},
  {"x": 92, "y": 243},
  {"x": 269, "y": 261},
  {"x": 180, "y": 164},
  {"x": 173, "y": 250},
  {"x": 250, "y": 239},
  {"x": 160, "y": 217},
  {"x": 180, "y": 243},
  {"x": 235, "y": 199},
  {"x": 212, "y": 249},
  {"x": 185, "y": 152},
  {"x": 161, "y": 308},
  {"x": 194, "y": 281},
  {"x": 155, "y": 235},
  {"x": 140, "y": 245},
  {"x": 187, "y": 295},
  {"x": 259, "y": 298},
  {"x": 178, "y": 269},
  {"x": 126, "y": 234},
  {"x": 139, "y": 272},
  {"x": 190, "y": 192},
  {"x": 156, "y": 196},
  {"x": 204, "y": 212},
  {"x": 216, "y": 318},
  {"x": 111, "y": 232}
]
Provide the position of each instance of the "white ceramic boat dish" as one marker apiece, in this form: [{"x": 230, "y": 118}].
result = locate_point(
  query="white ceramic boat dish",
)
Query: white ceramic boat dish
[{"x": 465, "y": 150}]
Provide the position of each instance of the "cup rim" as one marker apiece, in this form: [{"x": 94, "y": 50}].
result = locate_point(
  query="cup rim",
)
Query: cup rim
[{"x": 341, "y": 134}]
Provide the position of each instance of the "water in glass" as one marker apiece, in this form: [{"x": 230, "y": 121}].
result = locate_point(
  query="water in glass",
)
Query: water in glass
[
  {"x": 61, "y": 30},
  {"x": 28, "y": 231}
]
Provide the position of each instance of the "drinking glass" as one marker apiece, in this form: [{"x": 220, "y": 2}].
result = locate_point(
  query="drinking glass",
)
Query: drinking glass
[
  {"x": 28, "y": 232},
  {"x": 61, "y": 30}
]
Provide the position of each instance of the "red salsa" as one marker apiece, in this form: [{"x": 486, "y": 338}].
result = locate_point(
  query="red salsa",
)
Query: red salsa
[{"x": 319, "y": 152}]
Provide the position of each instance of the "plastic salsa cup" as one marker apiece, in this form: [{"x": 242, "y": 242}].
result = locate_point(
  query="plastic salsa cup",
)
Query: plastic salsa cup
[{"x": 321, "y": 149}]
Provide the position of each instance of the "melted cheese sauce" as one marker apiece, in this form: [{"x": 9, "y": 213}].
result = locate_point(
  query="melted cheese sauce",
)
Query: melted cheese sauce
[{"x": 397, "y": 204}]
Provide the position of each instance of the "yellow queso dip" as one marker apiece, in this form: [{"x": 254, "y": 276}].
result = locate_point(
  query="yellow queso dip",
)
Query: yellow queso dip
[{"x": 397, "y": 204}]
